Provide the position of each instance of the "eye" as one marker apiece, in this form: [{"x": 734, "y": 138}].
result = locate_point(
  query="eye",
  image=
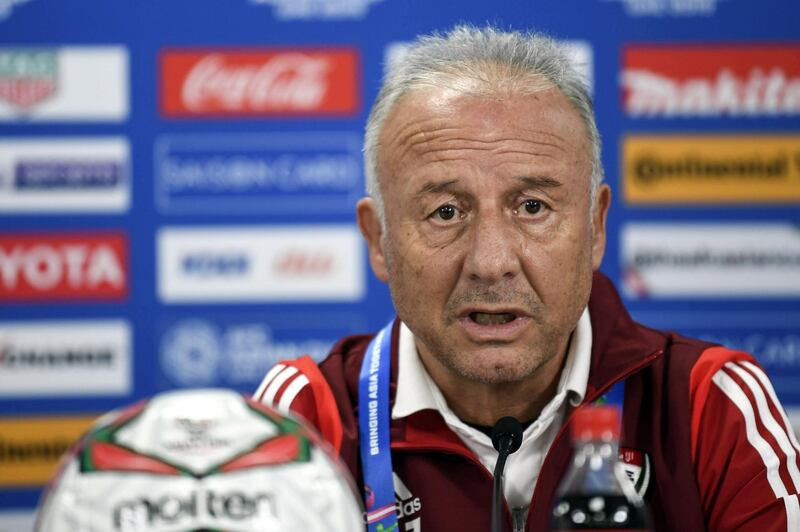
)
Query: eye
[
  {"x": 446, "y": 213},
  {"x": 531, "y": 207}
]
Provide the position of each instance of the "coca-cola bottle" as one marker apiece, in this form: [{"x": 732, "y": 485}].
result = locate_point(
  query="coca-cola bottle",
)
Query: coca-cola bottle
[{"x": 595, "y": 493}]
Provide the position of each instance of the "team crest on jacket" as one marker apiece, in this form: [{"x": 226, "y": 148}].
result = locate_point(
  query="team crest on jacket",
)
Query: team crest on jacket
[{"x": 636, "y": 465}]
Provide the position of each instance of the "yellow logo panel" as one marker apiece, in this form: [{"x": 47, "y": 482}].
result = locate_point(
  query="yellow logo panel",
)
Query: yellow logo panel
[
  {"x": 30, "y": 448},
  {"x": 711, "y": 169}
]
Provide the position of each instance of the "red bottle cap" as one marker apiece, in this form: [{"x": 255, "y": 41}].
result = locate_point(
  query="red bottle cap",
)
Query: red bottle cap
[{"x": 596, "y": 423}]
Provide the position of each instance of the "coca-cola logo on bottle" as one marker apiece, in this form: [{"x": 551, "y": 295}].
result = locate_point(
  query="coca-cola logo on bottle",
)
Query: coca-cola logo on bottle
[{"x": 259, "y": 83}]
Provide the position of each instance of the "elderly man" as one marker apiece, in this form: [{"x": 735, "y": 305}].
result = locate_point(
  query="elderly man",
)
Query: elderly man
[{"x": 487, "y": 217}]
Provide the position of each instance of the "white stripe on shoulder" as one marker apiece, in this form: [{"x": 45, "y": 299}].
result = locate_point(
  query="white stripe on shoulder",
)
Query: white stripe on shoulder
[
  {"x": 792, "y": 513},
  {"x": 272, "y": 390},
  {"x": 291, "y": 392},
  {"x": 267, "y": 379},
  {"x": 765, "y": 382},
  {"x": 769, "y": 422},
  {"x": 731, "y": 388}
]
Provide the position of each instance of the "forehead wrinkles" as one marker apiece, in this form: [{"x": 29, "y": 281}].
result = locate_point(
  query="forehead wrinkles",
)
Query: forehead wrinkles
[{"x": 434, "y": 138}]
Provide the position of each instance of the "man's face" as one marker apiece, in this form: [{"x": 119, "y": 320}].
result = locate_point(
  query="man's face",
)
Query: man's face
[{"x": 488, "y": 246}]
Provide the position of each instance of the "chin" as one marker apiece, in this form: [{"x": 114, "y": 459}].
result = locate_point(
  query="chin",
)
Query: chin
[{"x": 493, "y": 372}]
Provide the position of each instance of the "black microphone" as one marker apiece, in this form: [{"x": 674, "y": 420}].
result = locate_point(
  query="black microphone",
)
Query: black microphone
[{"x": 506, "y": 438}]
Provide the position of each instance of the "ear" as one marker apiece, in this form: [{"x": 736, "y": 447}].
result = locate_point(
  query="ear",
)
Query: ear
[
  {"x": 370, "y": 225},
  {"x": 602, "y": 202}
]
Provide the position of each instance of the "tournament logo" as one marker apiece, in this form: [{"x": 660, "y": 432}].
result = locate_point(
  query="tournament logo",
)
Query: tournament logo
[
  {"x": 190, "y": 353},
  {"x": 200, "y": 352},
  {"x": 27, "y": 77}
]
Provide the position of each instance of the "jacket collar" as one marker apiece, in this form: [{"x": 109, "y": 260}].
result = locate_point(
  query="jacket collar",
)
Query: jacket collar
[{"x": 618, "y": 348}]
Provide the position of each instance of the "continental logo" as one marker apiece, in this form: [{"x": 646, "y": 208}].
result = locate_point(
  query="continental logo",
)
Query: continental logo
[
  {"x": 711, "y": 169},
  {"x": 30, "y": 448}
]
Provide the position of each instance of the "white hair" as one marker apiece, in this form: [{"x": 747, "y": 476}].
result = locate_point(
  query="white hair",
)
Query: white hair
[{"x": 491, "y": 59}]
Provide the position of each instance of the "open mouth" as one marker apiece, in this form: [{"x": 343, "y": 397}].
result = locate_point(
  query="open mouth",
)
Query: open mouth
[{"x": 486, "y": 318}]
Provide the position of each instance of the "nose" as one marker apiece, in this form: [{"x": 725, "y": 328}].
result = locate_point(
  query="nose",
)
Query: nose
[{"x": 494, "y": 248}]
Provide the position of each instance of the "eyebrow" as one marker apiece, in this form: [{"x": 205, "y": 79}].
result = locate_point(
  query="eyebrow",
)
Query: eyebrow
[
  {"x": 434, "y": 188},
  {"x": 539, "y": 181}
]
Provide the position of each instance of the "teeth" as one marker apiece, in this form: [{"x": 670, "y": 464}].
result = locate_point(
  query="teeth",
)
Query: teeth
[{"x": 482, "y": 318}]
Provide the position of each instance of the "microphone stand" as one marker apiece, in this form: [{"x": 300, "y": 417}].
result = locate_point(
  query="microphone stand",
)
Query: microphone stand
[{"x": 506, "y": 438}]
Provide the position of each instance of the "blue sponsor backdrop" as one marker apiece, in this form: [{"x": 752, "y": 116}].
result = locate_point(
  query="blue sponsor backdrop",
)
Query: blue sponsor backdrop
[{"x": 287, "y": 168}]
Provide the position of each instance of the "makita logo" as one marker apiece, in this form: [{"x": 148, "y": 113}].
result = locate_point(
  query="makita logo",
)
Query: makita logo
[
  {"x": 712, "y": 81},
  {"x": 27, "y": 76},
  {"x": 216, "y": 264},
  {"x": 259, "y": 82},
  {"x": 175, "y": 510},
  {"x": 62, "y": 266},
  {"x": 11, "y": 358}
]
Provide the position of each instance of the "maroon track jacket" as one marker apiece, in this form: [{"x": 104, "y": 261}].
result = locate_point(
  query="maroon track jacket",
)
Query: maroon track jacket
[{"x": 717, "y": 450}]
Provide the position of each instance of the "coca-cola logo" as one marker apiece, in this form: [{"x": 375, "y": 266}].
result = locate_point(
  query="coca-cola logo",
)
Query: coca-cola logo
[
  {"x": 259, "y": 82},
  {"x": 712, "y": 81},
  {"x": 62, "y": 266}
]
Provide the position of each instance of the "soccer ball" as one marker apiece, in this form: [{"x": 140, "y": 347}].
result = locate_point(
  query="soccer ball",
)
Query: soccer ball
[{"x": 200, "y": 459}]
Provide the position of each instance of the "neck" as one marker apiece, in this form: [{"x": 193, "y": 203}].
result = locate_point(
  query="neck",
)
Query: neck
[{"x": 483, "y": 403}]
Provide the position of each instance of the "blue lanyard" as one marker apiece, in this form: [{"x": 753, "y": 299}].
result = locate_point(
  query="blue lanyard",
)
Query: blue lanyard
[{"x": 373, "y": 430}]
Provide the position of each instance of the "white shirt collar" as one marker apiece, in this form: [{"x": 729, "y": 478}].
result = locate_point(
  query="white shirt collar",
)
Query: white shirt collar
[{"x": 416, "y": 390}]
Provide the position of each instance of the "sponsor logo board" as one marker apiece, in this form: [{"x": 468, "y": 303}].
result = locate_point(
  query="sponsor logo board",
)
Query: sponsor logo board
[
  {"x": 711, "y": 169},
  {"x": 64, "y": 175},
  {"x": 70, "y": 83},
  {"x": 710, "y": 260},
  {"x": 275, "y": 173},
  {"x": 669, "y": 8},
  {"x": 30, "y": 448},
  {"x": 53, "y": 358},
  {"x": 17, "y": 520},
  {"x": 260, "y": 264},
  {"x": 63, "y": 266},
  {"x": 318, "y": 9},
  {"x": 236, "y": 352},
  {"x": 711, "y": 80},
  {"x": 260, "y": 82},
  {"x": 580, "y": 53}
]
